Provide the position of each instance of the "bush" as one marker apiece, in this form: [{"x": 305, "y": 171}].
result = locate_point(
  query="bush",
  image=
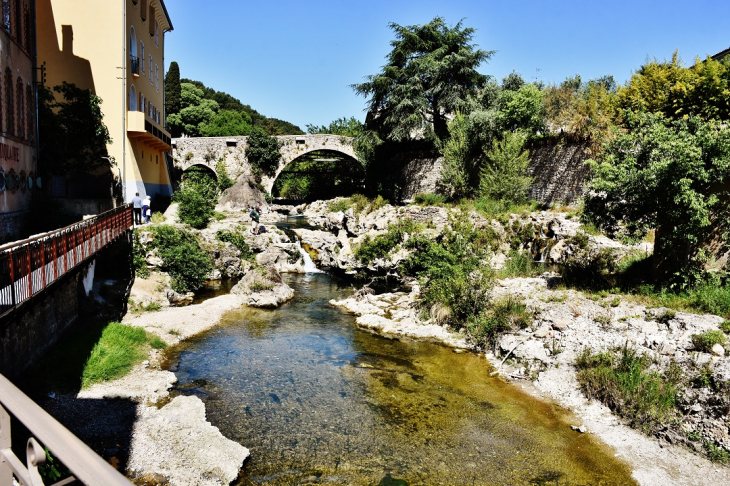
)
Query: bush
[
  {"x": 520, "y": 265},
  {"x": 118, "y": 350},
  {"x": 186, "y": 262},
  {"x": 263, "y": 152},
  {"x": 705, "y": 341},
  {"x": 224, "y": 181}
]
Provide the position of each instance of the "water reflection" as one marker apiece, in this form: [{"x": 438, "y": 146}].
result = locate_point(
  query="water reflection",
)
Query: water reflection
[{"x": 317, "y": 400}]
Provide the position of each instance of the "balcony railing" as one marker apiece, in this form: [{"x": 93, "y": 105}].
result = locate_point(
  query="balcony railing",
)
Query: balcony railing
[
  {"x": 29, "y": 266},
  {"x": 85, "y": 465},
  {"x": 135, "y": 65}
]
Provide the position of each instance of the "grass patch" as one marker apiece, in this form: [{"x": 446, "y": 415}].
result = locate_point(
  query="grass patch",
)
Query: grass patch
[
  {"x": 117, "y": 351},
  {"x": 158, "y": 218},
  {"x": 500, "y": 210},
  {"x": 358, "y": 203},
  {"x": 725, "y": 327},
  {"x": 622, "y": 380}
]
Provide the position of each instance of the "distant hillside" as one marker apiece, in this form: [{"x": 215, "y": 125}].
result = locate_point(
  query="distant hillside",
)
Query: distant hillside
[{"x": 273, "y": 126}]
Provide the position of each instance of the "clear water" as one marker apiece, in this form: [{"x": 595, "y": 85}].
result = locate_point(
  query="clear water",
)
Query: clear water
[{"x": 318, "y": 400}]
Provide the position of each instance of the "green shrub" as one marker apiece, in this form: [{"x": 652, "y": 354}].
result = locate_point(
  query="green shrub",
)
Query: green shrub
[
  {"x": 196, "y": 206},
  {"x": 237, "y": 240},
  {"x": 430, "y": 199},
  {"x": 504, "y": 175},
  {"x": 622, "y": 380},
  {"x": 119, "y": 348},
  {"x": 377, "y": 203},
  {"x": 716, "y": 453},
  {"x": 186, "y": 262},
  {"x": 705, "y": 341}
]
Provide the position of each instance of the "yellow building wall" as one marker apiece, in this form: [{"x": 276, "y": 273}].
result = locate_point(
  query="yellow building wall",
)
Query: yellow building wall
[{"x": 87, "y": 42}]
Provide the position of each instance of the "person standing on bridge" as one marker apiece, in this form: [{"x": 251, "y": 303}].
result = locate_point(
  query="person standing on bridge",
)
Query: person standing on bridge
[{"x": 137, "y": 205}]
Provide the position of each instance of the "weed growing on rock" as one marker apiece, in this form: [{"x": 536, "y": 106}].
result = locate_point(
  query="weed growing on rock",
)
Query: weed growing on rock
[
  {"x": 237, "y": 239},
  {"x": 705, "y": 341},
  {"x": 622, "y": 379},
  {"x": 383, "y": 245}
]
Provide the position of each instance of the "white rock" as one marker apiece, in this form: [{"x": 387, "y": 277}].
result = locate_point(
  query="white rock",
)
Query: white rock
[
  {"x": 178, "y": 443},
  {"x": 718, "y": 350}
]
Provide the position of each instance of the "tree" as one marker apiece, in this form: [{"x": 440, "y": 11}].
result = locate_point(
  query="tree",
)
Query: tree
[
  {"x": 226, "y": 123},
  {"x": 195, "y": 111},
  {"x": 430, "y": 72},
  {"x": 349, "y": 127},
  {"x": 668, "y": 175},
  {"x": 172, "y": 90},
  {"x": 263, "y": 152},
  {"x": 504, "y": 175},
  {"x": 521, "y": 109},
  {"x": 74, "y": 136}
]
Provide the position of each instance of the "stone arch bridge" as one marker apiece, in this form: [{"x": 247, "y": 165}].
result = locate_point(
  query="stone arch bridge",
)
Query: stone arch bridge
[{"x": 209, "y": 152}]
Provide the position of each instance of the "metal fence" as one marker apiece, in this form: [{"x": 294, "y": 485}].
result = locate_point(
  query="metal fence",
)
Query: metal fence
[
  {"x": 85, "y": 465},
  {"x": 28, "y": 267}
]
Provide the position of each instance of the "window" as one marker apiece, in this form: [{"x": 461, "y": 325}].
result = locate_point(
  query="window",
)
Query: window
[
  {"x": 152, "y": 17},
  {"x": 18, "y": 21},
  {"x": 26, "y": 28},
  {"x": 9, "y": 113},
  {"x": 133, "y": 51},
  {"x": 157, "y": 77},
  {"x": 20, "y": 109},
  {"x": 150, "y": 68},
  {"x": 142, "y": 102},
  {"x": 30, "y": 117},
  {"x": 143, "y": 10},
  {"x": 149, "y": 109},
  {"x": 132, "y": 98},
  {"x": 157, "y": 34},
  {"x": 141, "y": 54}
]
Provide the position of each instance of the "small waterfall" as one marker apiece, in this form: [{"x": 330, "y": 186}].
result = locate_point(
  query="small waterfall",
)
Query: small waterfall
[{"x": 309, "y": 266}]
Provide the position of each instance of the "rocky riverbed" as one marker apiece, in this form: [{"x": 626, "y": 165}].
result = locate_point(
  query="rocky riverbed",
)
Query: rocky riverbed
[{"x": 540, "y": 358}]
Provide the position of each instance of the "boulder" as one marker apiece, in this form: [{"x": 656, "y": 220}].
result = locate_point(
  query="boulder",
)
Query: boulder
[
  {"x": 263, "y": 287},
  {"x": 179, "y": 300}
]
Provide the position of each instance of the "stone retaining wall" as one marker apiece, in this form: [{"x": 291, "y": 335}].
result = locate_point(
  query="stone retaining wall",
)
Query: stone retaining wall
[{"x": 559, "y": 171}]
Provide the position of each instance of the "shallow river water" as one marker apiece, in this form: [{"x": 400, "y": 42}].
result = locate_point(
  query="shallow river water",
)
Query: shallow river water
[{"x": 317, "y": 400}]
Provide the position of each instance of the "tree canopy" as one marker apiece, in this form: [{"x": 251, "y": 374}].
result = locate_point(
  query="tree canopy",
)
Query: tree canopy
[
  {"x": 172, "y": 91},
  {"x": 431, "y": 70},
  {"x": 74, "y": 136}
]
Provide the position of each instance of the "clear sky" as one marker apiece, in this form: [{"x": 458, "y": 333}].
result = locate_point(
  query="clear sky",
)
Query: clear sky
[{"x": 296, "y": 60}]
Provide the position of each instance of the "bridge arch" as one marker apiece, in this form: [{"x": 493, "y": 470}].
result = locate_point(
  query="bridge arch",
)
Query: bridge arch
[{"x": 208, "y": 151}]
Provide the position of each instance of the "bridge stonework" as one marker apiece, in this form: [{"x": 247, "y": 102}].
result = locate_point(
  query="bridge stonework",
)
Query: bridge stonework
[{"x": 208, "y": 151}]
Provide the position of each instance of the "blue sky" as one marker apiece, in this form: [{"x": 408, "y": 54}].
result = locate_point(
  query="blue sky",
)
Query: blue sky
[{"x": 295, "y": 60}]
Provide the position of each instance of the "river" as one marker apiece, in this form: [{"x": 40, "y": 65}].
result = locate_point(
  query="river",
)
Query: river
[{"x": 317, "y": 400}]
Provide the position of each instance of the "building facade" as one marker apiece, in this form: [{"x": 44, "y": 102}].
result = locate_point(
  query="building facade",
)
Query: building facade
[
  {"x": 18, "y": 154},
  {"x": 115, "y": 49}
]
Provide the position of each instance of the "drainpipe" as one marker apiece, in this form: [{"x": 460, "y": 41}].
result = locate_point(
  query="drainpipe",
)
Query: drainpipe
[
  {"x": 124, "y": 101},
  {"x": 34, "y": 37}
]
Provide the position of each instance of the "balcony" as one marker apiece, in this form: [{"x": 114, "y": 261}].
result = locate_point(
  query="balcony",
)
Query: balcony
[
  {"x": 139, "y": 128},
  {"x": 135, "y": 66}
]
